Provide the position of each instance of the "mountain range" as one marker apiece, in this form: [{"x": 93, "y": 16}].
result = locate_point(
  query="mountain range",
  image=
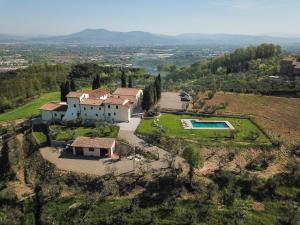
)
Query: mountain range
[{"x": 140, "y": 38}]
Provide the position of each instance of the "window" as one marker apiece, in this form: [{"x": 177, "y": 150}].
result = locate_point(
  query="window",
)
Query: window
[
  {"x": 117, "y": 106},
  {"x": 91, "y": 149},
  {"x": 84, "y": 108},
  {"x": 108, "y": 106},
  {"x": 99, "y": 108},
  {"x": 96, "y": 114},
  {"x": 74, "y": 105},
  {"x": 108, "y": 114},
  {"x": 92, "y": 107},
  {"x": 55, "y": 114},
  {"x": 114, "y": 113}
]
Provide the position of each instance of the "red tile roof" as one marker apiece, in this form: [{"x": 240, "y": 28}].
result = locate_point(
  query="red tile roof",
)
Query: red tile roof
[
  {"x": 86, "y": 142},
  {"x": 126, "y": 91},
  {"x": 55, "y": 106},
  {"x": 74, "y": 94},
  {"x": 91, "y": 101},
  {"x": 97, "y": 93},
  {"x": 130, "y": 98},
  {"x": 115, "y": 101}
]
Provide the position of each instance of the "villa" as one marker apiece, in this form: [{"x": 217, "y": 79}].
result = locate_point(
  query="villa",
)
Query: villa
[
  {"x": 97, "y": 147},
  {"x": 93, "y": 105}
]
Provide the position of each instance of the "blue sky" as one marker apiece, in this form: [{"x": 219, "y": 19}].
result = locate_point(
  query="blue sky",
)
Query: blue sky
[{"x": 32, "y": 17}]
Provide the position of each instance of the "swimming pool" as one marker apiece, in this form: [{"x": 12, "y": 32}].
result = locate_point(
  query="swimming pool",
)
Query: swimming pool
[{"x": 202, "y": 124}]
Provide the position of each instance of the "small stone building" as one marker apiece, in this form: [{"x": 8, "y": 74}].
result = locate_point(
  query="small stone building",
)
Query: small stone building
[{"x": 98, "y": 147}]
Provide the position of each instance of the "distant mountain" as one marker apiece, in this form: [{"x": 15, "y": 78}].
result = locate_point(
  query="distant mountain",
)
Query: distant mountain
[{"x": 140, "y": 38}]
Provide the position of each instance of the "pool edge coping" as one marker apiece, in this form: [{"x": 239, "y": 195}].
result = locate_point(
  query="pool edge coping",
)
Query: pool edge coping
[{"x": 189, "y": 125}]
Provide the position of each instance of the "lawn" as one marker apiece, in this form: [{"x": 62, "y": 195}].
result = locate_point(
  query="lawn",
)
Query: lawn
[
  {"x": 31, "y": 108},
  {"x": 172, "y": 125},
  {"x": 40, "y": 137},
  {"x": 64, "y": 133}
]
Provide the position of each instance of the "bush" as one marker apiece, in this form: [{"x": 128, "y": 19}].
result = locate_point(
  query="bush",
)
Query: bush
[
  {"x": 210, "y": 94},
  {"x": 261, "y": 162},
  {"x": 193, "y": 156}
]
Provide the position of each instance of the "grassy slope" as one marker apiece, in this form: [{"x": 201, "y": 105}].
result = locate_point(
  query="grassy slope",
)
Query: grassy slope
[
  {"x": 31, "y": 108},
  {"x": 172, "y": 126}
]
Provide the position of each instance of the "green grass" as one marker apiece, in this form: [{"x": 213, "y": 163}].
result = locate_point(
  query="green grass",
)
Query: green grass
[
  {"x": 40, "y": 137},
  {"x": 31, "y": 108},
  {"x": 172, "y": 125},
  {"x": 65, "y": 133}
]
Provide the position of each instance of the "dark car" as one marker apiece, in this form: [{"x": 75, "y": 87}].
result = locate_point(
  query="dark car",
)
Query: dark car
[{"x": 185, "y": 99}]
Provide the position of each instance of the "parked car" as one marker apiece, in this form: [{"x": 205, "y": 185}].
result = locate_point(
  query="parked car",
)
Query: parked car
[
  {"x": 185, "y": 99},
  {"x": 183, "y": 94}
]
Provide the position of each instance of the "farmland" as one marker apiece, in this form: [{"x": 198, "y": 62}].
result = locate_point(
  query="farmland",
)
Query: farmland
[{"x": 275, "y": 114}]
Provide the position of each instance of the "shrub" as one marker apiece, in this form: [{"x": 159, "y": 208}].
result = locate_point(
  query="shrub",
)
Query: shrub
[
  {"x": 261, "y": 162},
  {"x": 193, "y": 156}
]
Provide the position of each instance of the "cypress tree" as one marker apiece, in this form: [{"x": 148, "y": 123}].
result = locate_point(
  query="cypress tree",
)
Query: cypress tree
[
  {"x": 94, "y": 83},
  {"x": 146, "y": 101},
  {"x": 123, "y": 80},
  {"x": 67, "y": 87},
  {"x": 62, "y": 92},
  {"x": 73, "y": 85},
  {"x": 4, "y": 159},
  {"x": 97, "y": 82},
  {"x": 130, "y": 81}
]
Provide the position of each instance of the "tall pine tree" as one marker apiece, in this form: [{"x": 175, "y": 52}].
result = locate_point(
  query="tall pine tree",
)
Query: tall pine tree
[
  {"x": 157, "y": 84},
  {"x": 97, "y": 82},
  {"x": 73, "y": 85},
  {"x": 146, "y": 101},
  {"x": 130, "y": 81},
  {"x": 62, "y": 92},
  {"x": 123, "y": 80},
  {"x": 67, "y": 87}
]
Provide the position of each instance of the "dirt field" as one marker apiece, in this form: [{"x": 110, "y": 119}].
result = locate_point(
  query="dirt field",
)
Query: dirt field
[{"x": 277, "y": 114}]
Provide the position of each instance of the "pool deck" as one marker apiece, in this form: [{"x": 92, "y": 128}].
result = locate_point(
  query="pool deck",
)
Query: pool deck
[{"x": 187, "y": 125}]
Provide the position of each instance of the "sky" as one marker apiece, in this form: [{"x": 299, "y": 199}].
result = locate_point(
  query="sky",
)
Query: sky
[{"x": 57, "y": 17}]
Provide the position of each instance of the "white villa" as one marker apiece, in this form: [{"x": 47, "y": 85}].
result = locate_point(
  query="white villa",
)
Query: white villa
[{"x": 93, "y": 105}]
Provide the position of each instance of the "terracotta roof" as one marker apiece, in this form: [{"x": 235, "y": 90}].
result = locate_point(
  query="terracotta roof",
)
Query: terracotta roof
[
  {"x": 126, "y": 91},
  {"x": 91, "y": 101},
  {"x": 115, "y": 101},
  {"x": 97, "y": 93},
  {"x": 55, "y": 106},
  {"x": 130, "y": 98},
  {"x": 87, "y": 142},
  {"x": 74, "y": 94}
]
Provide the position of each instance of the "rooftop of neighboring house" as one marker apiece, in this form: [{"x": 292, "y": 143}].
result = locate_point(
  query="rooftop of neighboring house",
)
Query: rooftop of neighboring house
[
  {"x": 293, "y": 59},
  {"x": 55, "y": 106},
  {"x": 126, "y": 91},
  {"x": 87, "y": 142}
]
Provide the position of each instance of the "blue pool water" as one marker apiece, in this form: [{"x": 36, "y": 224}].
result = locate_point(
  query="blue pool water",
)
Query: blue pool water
[{"x": 209, "y": 124}]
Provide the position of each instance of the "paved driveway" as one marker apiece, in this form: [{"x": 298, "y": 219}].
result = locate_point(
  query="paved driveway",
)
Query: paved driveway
[
  {"x": 86, "y": 165},
  {"x": 131, "y": 125}
]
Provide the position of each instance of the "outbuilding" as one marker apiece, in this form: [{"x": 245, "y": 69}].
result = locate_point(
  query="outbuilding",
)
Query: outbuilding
[{"x": 98, "y": 147}]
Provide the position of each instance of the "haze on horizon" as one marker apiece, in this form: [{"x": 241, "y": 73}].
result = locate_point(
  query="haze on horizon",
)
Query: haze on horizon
[{"x": 57, "y": 17}]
